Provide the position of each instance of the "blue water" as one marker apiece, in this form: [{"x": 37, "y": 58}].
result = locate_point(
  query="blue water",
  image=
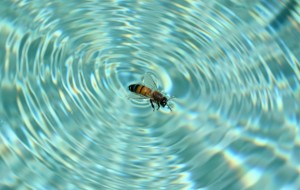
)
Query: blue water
[{"x": 232, "y": 65}]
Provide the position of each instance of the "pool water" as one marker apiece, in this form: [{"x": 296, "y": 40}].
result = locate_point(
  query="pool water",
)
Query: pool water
[{"x": 66, "y": 121}]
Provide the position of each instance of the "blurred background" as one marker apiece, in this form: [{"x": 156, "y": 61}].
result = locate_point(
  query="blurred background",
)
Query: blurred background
[{"x": 232, "y": 66}]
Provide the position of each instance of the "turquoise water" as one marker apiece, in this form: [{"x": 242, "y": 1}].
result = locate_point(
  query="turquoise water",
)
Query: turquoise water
[{"x": 232, "y": 65}]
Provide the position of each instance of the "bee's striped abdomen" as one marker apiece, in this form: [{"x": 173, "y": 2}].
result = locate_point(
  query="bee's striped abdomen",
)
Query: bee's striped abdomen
[
  {"x": 140, "y": 89},
  {"x": 133, "y": 87}
]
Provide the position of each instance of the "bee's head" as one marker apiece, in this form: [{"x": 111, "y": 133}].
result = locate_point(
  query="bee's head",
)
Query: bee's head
[{"x": 163, "y": 102}]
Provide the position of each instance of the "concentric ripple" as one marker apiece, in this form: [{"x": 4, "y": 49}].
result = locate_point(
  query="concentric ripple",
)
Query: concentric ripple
[{"x": 232, "y": 65}]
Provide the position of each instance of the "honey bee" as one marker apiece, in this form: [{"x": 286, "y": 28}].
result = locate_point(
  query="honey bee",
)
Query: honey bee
[{"x": 149, "y": 90}]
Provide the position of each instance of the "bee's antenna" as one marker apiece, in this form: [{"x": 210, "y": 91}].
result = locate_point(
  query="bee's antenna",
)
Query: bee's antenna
[
  {"x": 171, "y": 98},
  {"x": 169, "y": 107}
]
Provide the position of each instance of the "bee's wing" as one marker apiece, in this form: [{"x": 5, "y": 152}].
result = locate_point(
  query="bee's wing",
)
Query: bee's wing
[
  {"x": 149, "y": 81},
  {"x": 136, "y": 96}
]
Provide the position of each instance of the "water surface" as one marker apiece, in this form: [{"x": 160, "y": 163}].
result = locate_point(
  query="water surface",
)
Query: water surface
[{"x": 233, "y": 66}]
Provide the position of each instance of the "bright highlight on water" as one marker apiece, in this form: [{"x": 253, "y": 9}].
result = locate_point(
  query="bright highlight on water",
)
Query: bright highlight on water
[{"x": 232, "y": 66}]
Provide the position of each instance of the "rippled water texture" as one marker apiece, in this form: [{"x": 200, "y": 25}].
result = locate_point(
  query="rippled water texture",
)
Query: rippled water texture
[{"x": 66, "y": 122}]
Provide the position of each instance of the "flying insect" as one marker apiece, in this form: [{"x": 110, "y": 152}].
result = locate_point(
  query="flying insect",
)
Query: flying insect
[{"x": 149, "y": 90}]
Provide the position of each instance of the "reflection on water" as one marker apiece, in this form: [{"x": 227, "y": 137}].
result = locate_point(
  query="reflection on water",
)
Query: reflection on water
[{"x": 233, "y": 66}]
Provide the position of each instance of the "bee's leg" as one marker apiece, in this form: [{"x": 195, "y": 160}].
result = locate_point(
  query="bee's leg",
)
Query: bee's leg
[
  {"x": 152, "y": 104},
  {"x": 158, "y": 106}
]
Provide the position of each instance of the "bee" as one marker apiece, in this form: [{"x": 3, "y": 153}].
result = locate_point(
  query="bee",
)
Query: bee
[{"x": 149, "y": 90}]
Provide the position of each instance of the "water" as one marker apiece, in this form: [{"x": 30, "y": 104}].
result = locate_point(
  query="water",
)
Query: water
[{"x": 233, "y": 66}]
